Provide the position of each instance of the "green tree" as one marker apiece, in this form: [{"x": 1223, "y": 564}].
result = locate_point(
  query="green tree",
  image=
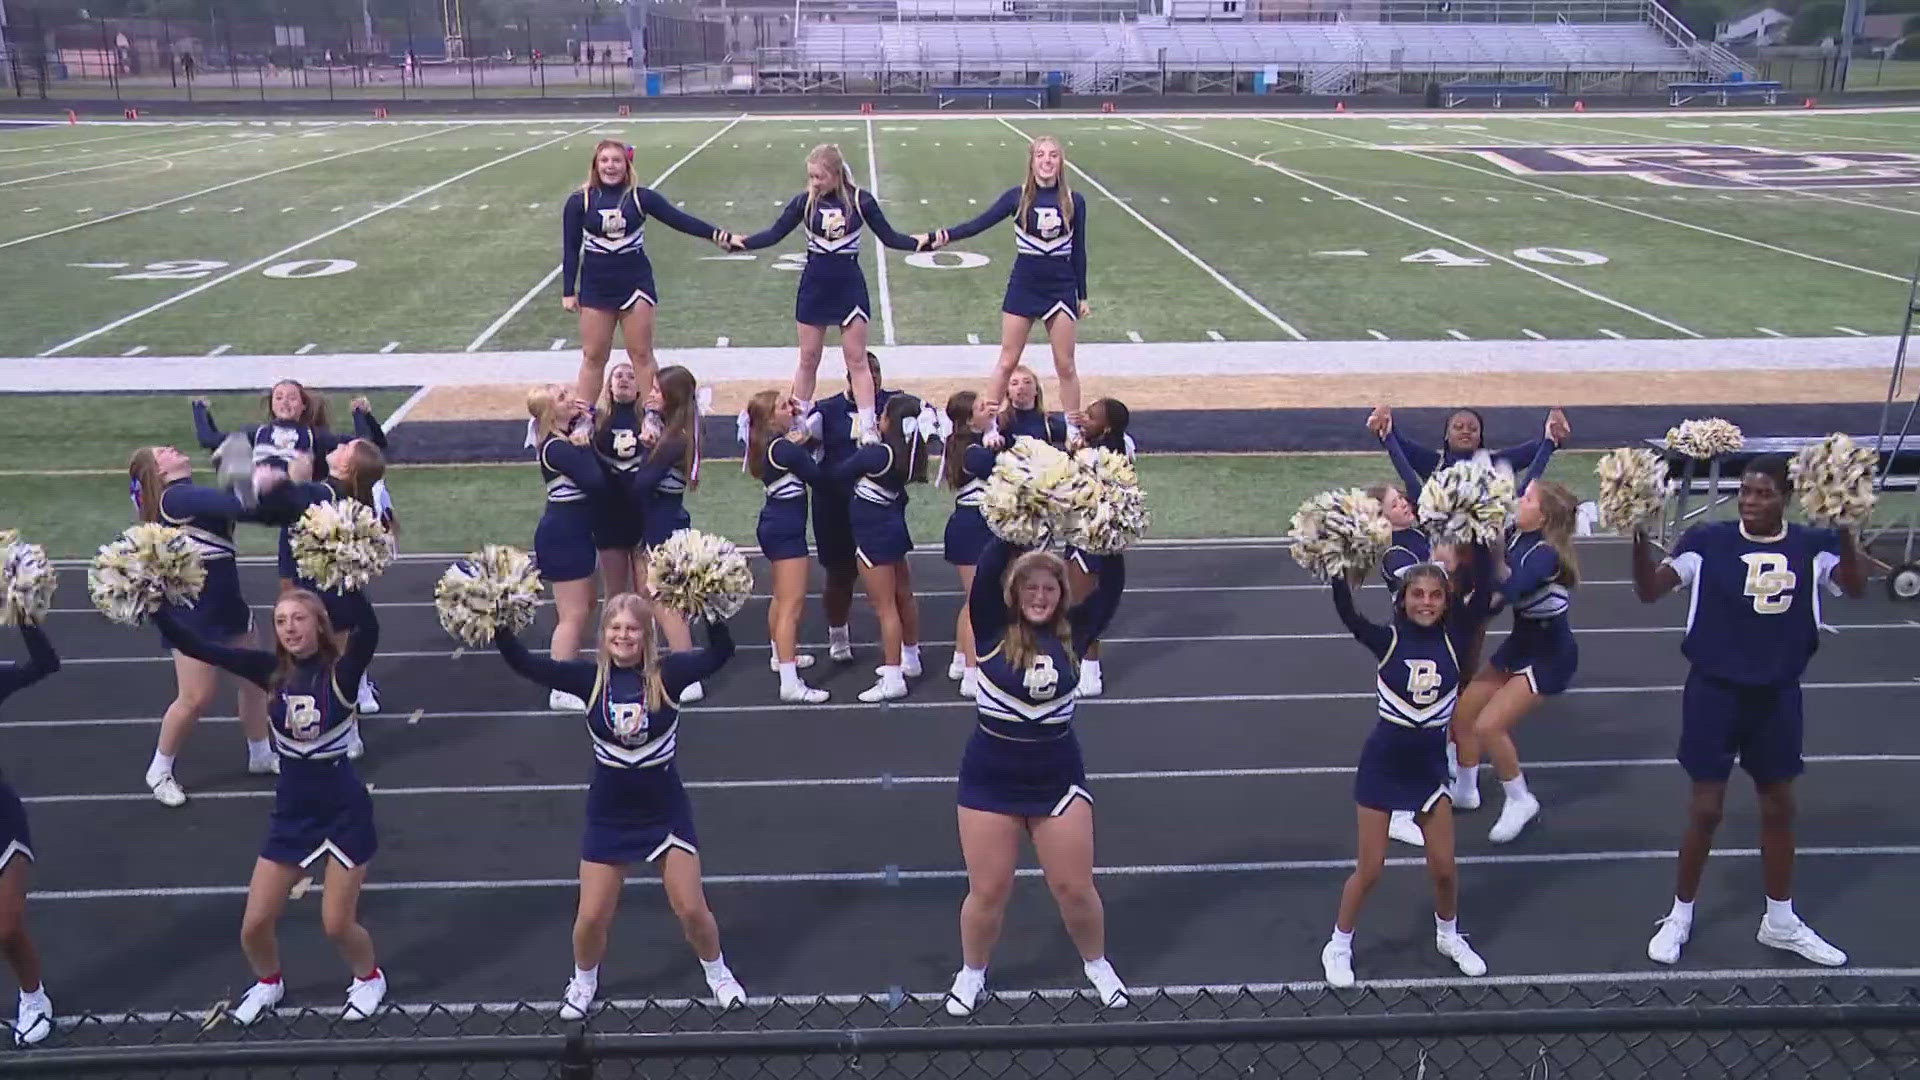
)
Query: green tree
[{"x": 1815, "y": 23}]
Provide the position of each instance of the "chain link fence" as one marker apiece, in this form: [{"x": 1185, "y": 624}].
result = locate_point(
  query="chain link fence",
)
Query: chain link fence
[{"x": 1818, "y": 1030}]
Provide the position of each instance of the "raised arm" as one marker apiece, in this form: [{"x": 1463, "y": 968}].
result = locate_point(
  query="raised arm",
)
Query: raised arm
[
  {"x": 1079, "y": 259},
  {"x": 1419, "y": 458},
  {"x": 679, "y": 670},
  {"x": 1002, "y": 209},
  {"x": 1850, "y": 571},
  {"x": 986, "y": 601},
  {"x": 183, "y": 501},
  {"x": 362, "y": 643},
  {"x": 573, "y": 223},
  {"x": 1653, "y": 578},
  {"x": 1377, "y": 638},
  {"x": 666, "y": 454},
  {"x": 796, "y": 459},
  {"x": 367, "y": 426},
  {"x": 575, "y": 677},
  {"x": 788, "y": 220},
  {"x": 203, "y": 428},
  {"x": 284, "y": 503},
  {"x": 656, "y": 205},
  {"x": 577, "y": 463},
  {"x": 876, "y": 220},
  {"x": 1091, "y": 616},
  {"x": 1537, "y": 465},
  {"x": 1474, "y": 593},
  {"x": 1410, "y": 477},
  {"x": 41, "y": 662},
  {"x": 869, "y": 460},
  {"x": 252, "y": 665}
]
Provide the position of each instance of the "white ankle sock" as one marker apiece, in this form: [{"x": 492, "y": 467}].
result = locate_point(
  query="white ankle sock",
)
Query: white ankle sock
[
  {"x": 789, "y": 674},
  {"x": 1515, "y": 788},
  {"x": 1446, "y": 926},
  {"x": 1780, "y": 912},
  {"x": 1342, "y": 937},
  {"x": 715, "y": 967},
  {"x": 587, "y": 976},
  {"x": 909, "y": 654},
  {"x": 839, "y": 635},
  {"x": 1470, "y": 776},
  {"x": 1090, "y": 669},
  {"x": 1683, "y": 911},
  {"x": 162, "y": 763},
  {"x": 259, "y": 748}
]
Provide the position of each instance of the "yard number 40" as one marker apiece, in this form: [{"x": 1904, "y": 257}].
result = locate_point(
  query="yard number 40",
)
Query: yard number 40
[{"x": 1549, "y": 256}]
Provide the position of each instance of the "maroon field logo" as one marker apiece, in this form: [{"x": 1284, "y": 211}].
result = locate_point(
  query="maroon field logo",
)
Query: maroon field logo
[{"x": 1694, "y": 166}]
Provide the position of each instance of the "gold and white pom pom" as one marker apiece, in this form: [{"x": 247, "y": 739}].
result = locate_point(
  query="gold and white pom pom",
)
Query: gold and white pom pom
[
  {"x": 146, "y": 567},
  {"x": 1111, "y": 513},
  {"x": 497, "y": 587},
  {"x": 1340, "y": 532},
  {"x": 1633, "y": 483},
  {"x": 340, "y": 545},
  {"x": 1705, "y": 439},
  {"x": 700, "y": 575},
  {"x": 27, "y": 581},
  {"x": 1032, "y": 492},
  {"x": 1834, "y": 480},
  {"x": 1468, "y": 502}
]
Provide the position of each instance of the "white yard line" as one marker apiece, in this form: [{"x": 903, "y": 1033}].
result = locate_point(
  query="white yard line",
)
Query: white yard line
[
  {"x": 293, "y": 248},
  {"x": 77, "y": 142},
  {"x": 218, "y": 187},
  {"x": 1284, "y": 325},
  {"x": 396, "y": 416},
  {"x": 541, "y": 285},
  {"x": 1449, "y": 237},
  {"x": 879, "y": 249},
  {"x": 133, "y": 161}
]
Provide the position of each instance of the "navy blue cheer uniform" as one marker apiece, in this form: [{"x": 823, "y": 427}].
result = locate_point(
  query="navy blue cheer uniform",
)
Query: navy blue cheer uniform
[
  {"x": 41, "y": 662},
  {"x": 618, "y": 521},
  {"x": 1541, "y": 646},
  {"x": 878, "y": 510},
  {"x": 637, "y": 809},
  {"x": 206, "y": 515},
  {"x": 1023, "y": 758},
  {"x": 1422, "y": 461},
  {"x": 659, "y": 485},
  {"x": 1050, "y": 262},
  {"x": 284, "y": 505},
  {"x": 967, "y": 533},
  {"x": 321, "y": 807},
  {"x": 563, "y": 542},
  {"x": 782, "y": 529},
  {"x": 832, "y": 496},
  {"x": 1403, "y": 765},
  {"x": 610, "y": 225},
  {"x": 1752, "y": 624},
  {"x": 1088, "y": 562},
  {"x": 833, "y": 289},
  {"x": 1048, "y": 428}
]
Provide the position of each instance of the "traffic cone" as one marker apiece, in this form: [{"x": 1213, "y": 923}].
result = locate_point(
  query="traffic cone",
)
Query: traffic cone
[
  {"x": 1579, "y": 106},
  {"x": 1339, "y": 106},
  {"x": 1810, "y": 104},
  {"x": 72, "y": 118}
]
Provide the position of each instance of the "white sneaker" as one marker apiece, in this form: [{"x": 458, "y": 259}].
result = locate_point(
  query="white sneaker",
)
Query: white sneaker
[
  {"x": 1665, "y": 946},
  {"x": 364, "y": 996},
  {"x": 1337, "y": 961},
  {"x": 840, "y": 652},
  {"x": 166, "y": 789},
  {"x": 267, "y": 764},
  {"x": 891, "y": 687},
  {"x": 1455, "y": 948},
  {"x": 1800, "y": 938},
  {"x": 970, "y": 684},
  {"x": 727, "y": 991},
  {"x": 802, "y": 694},
  {"x": 578, "y": 1000},
  {"x": 1091, "y": 683},
  {"x": 910, "y": 665},
  {"x": 1402, "y": 827},
  {"x": 801, "y": 662},
  {"x": 561, "y": 701},
  {"x": 1514, "y": 816},
  {"x": 694, "y": 692},
  {"x": 356, "y": 746},
  {"x": 1106, "y": 985},
  {"x": 957, "y": 667},
  {"x": 1465, "y": 792},
  {"x": 35, "y": 1019},
  {"x": 261, "y": 997},
  {"x": 965, "y": 992},
  {"x": 367, "y": 702}
]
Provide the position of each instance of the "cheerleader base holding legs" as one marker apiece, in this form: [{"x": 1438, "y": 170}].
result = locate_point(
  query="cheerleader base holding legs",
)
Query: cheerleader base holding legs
[
  {"x": 853, "y": 348},
  {"x": 1337, "y": 957},
  {"x": 1062, "y": 332},
  {"x": 596, "y": 345},
  {"x": 339, "y": 913},
  {"x": 600, "y": 885}
]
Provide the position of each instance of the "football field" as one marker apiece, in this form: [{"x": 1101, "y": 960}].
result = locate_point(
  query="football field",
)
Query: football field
[{"x": 321, "y": 237}]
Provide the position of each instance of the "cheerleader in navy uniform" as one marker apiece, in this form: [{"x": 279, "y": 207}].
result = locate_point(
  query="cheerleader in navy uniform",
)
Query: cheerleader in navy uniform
[
  {"x": 321, "y": 810},
  {"x": 1106, "y": 428},
  {"x": 833, "y": 288},
  {"x": 778, "y": 457},
  {"x": 1404, "y": 764},
  {"x": 1025, "y": 411},
  {"x": 1752, "y": 625},
  {"x": 1465, "y": 439},
  {"x": 161, "y": 483},
  {"x": 1049, "y": 279},
  {"x": 832, "y": 528},
  {"x": 637, "y": 810},
  {"x": 965, "y": 465},
  {"x": 618, "y": 529},
  {"x": 34, "y": 1021},
  {"x": 1538, "y": 660},
  {"x": 563, "y": 543},
  {"x": 612, "y": 283},
  {"x": 1022, "y": 773},
  {"x": 1409, "y": 548},
  {"x": 880, "y": 473},
  {"x": 669, "y": 470}
]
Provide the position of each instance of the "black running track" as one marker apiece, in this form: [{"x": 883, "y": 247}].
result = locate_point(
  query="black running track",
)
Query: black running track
[{"x": 1221, "y": 756}]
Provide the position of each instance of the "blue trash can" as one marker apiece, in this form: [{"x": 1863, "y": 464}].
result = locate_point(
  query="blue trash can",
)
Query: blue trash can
[{"x": 653, "y": 84}]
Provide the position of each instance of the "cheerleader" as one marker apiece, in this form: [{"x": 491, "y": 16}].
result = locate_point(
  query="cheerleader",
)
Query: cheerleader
[
  {"x": 161, "y": 483},
  {"x": 321, "y": 811},
  {"x": 832, "y": 528},
  {"x": 1049, "y": 278},
  {"x": 1410, "y": 548},
  {"x": 563, "y": 543},
  {"x": 1465, "y": 439},
  {"x": 637, "y": 810},
  {"x": 1539, "y": 657},
  {"x": 670, "y": 469},
  {"x": 965, "y": 465},
  {"x": 1022, "y": 773},
  {"x": 1025, "y": 410},
  {"x": 34, "y": 1021},
  {"x": 833, "y": 289},
  {"x": 612, "y": 284},
  {"x": 1752, "y": 624},
  {"x": 1403, "y": 767},
  {"x": 1106, "y": 428},
  {"x": 618, "y": 529},
  {"x": 880, "y": 473},
  {"x": 778, "y": 457}
]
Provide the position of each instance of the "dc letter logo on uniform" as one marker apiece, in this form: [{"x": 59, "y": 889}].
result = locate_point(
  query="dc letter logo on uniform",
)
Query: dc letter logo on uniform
[
  {"x": 613, "y": 224},
  {"x": 628, "y": 720},
  {"x": 833, "y": 222},
  {"x": 1042, "y": 679},
  {"x": 1047, "y": 219}
]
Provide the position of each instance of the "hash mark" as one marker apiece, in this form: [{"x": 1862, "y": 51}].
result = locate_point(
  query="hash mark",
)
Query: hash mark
[
  {"x": 1613, "y": 334},
  {"x": 1534, "y": 334},
  {"x": 722, "y": 341},
  {"x": 305, "y": 349},
  {"x": 1134, "y": 336},
  {"x": 1458, "y": 336},
  {"x": 1378, "y": 336},
  {"x": 1851, "y": 331},
  {"x": 973, "y": 339},
  {"x": 389, "y": 346},
  {"x": 558, "y": 344},
  {"x": 1769, "y": 333},
  {"x": 1215, "y": 335},
  {"x": 220, "y": 350},
  {"x": 135, "y": 351}
]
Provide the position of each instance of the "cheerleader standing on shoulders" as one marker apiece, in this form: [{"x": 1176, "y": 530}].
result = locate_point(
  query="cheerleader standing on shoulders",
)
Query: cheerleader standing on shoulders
[
  {"x": 321, "y": 810},
  {"x": 1465, "y": 439},
  {"x": 637, "y": 810},
  {"x": 1404, "y": 764},
  {"x": 965, "y": 466},
  {"x": 34, "y": 1021},
  {"x": 618, "y": 529},
  {"x": 563, "y": 542},
  {"x": 1048, "y": 283},
  {"x": 880, "y": 473},
  {"x": 611, "y": 284},
  {"x": 833, "y": 498},
  {"x": 1025, "y": 410},
  {"x": 161, "y": 483},
  {"x": 778, "y": 457},
  {"x": 1022, "y": 772},
  {"x": 1106, "y": 429},
  {"x": 1752, "y": 625},
  {"x": 833, "y": 289},
  {"x": 670, "y": 469}
]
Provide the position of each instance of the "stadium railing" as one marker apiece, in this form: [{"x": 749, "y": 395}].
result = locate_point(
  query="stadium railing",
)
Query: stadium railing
[{"x": 1841, "y": 1028}]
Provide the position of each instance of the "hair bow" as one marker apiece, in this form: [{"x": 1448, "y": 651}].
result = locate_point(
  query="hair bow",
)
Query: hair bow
[
  {"x": 743, "y": 430},
  {"x": 133, "y": 491}
]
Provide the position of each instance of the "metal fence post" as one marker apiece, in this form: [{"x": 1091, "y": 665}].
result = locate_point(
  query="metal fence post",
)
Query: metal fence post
[{"x": 576, "y": 1059}]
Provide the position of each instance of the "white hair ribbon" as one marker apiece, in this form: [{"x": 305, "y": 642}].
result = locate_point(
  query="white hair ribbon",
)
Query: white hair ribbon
[
  {"x": 909, "y": 426},
  {"x": 703, "y": 398},
  {"x": 533, "y": 431},
  {"x": 1132, "y": 449},
  {"x": 930, "y": 418},
  {"x": 743, "y": 430}
]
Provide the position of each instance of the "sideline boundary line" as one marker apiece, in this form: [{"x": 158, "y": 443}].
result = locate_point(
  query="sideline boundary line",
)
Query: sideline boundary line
[{"x": 879, "y": 249}]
